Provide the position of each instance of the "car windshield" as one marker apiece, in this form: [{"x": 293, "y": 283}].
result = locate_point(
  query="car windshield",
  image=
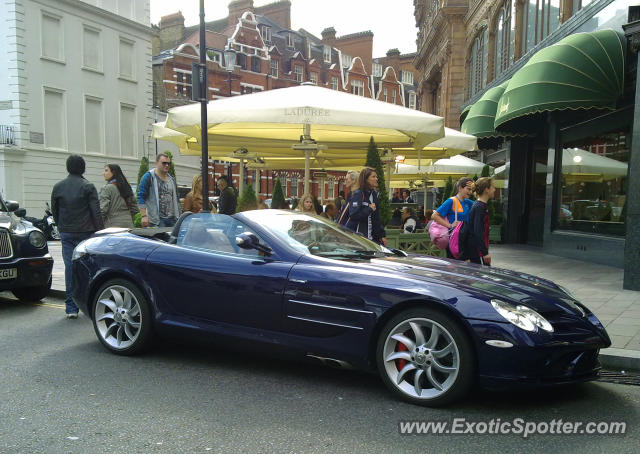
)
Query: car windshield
[{"x": 316, "y": 235}]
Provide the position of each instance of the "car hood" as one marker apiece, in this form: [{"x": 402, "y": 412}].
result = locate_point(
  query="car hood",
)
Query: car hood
[{"x": 480, "y": 281}]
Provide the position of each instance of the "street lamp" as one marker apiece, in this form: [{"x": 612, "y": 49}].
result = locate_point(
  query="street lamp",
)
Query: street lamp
[{"x": 230, "y": 63}]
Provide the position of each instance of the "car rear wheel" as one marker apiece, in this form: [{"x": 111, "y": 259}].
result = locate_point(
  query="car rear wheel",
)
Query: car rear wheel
[
  {"x": 425, "y": 357},
  {"x": 32, "y": 294},
  {"x": 122, "y": 318}
]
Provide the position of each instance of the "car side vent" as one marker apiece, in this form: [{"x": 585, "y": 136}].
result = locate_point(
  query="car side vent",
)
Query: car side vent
[{"x": 6, "y": 249}]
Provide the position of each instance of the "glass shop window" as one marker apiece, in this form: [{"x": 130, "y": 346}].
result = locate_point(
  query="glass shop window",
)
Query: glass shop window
[{"x": 594, "y": 183}]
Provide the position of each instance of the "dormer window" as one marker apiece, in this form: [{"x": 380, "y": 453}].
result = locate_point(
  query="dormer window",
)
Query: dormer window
[
  {"x": 377, "y": 70},
  {"x": 346, "y": 60},
  {"x": 265, "y": 32},
  {"x": 327, "y": 54},
  {"x": 290, "y": 40},
  {"x": 407, "y": 77}
]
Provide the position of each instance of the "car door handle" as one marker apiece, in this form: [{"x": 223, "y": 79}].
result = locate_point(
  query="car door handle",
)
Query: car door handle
[{"x": 298, "y": 281}]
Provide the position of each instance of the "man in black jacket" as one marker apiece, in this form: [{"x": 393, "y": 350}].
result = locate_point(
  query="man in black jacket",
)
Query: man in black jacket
[
  {"x": 76, "y": 211},
  {"x": 228, "y": 200}
]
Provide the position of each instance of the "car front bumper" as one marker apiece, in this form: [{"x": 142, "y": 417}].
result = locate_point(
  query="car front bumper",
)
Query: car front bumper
[
  {"x": 30, "y": 272},
  {"x": 569, "y": 356}
]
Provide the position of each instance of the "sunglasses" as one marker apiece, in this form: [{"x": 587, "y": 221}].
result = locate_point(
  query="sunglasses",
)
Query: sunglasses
[{"x": 165, "y": 163}]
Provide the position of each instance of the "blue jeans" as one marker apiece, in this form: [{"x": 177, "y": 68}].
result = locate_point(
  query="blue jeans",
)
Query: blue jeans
[
  {"x": 69, "y": 242},
  {"x": 164, "y": 222}
]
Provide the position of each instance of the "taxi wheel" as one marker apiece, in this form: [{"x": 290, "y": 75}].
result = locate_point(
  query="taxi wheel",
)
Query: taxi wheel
[{"x": 32, "y": 294}]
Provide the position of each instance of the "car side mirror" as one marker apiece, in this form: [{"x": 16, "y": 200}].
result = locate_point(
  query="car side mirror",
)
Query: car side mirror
[
  {"x": 12, "y": 206},
  {"x": 20, "y": 212},
  {"x": 248, "y": 240}
]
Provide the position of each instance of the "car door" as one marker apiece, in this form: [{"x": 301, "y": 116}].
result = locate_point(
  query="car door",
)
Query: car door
[{"x": 206, "y": 276}]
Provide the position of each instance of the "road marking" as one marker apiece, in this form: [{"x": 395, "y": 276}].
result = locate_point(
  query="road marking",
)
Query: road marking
[{"x": 55, "y": 306}]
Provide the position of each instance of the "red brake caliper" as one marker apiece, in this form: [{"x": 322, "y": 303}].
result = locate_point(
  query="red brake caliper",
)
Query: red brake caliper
[{"x": 400, "y": 347}]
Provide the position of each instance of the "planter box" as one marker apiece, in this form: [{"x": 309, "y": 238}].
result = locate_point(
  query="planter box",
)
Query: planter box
[{"x": 495, "y": 235}]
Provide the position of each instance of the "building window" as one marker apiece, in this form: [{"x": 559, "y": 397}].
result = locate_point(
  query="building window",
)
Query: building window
[
  {"x": 91, "y": 49},
  {"x": 256, "y": 64},
  {"x": 290, "y": 42},
  {"x": 505, "y": 37},
  {"x": 412, "y": 100},
  {"x": 594, "y": 183},
  {"x": 126, "y": 59},
  {"x": 334, "y": 83},
  {"x": 55, "y": 119},
  {"x": 346, "y": 60},
  {"x": 407, "y": 77},
  {"x": 52, "y": 37},
  {"x": 476, "y": 65},
  {"x": 385, "y": 94},
  {"x": 357, "y": 87},
  {"x": 327, "y": 54},
  {"x": 297, "y": 72},
  {"x": 294, "y": 186},
  {"x": 241, "y": 61},
  {"x": 393, "y": 96},
  {"x": 183, "y": 84},
  {"x": 215, "y": 56},
  {"x": 332, "y": 189},
  {"x": 265, "y": 32},
  {"x": 313, "y": 77},
  {"x": 539, "y": 18},
  {"x": 274, "y": 68},
  {"x": 128, "y": 135},
  {"x": 93, "y": 125},
  {"x": 377, "y": 70}
]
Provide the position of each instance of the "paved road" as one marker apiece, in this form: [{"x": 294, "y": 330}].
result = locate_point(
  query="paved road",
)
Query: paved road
[{"x": 61, "y": 391}]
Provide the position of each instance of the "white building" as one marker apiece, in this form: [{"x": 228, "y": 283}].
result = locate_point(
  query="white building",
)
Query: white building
[{"x": 75, "y": 78}]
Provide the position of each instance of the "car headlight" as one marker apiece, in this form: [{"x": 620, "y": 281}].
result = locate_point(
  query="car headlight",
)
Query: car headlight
[
  {"x": 37, "y": 239},
  {"x": 79, "y": 251},
  {"x": 522, "y": 316}
]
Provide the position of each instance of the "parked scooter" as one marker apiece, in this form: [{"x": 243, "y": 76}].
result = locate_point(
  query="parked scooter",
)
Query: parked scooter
[{"x": 46, "y": 224}]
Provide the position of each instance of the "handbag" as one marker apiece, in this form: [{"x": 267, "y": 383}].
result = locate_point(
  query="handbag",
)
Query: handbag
[{"x": 439, "y": 234}]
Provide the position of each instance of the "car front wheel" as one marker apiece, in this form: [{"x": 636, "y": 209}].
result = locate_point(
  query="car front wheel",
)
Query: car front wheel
[
  {"x": 32, "y": 294},
  {"x": 425, "y": 357},
  {"x": 122, "y": 318}
]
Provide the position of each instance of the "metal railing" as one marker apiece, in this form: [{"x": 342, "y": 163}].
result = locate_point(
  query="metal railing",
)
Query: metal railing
[{"x": 7, "y": 135}]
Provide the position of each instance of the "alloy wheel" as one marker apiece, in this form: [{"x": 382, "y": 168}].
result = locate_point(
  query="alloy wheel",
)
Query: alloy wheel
[
  {"x": 118, "y": 317},
  {"x": 421, "y": 358}
]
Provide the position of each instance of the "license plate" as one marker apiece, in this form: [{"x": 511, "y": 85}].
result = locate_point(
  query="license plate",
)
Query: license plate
[{"x": 9, "y": 273}]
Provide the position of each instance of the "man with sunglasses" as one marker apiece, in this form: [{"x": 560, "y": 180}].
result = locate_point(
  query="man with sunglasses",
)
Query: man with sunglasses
[{"x": 158, "y": 195}]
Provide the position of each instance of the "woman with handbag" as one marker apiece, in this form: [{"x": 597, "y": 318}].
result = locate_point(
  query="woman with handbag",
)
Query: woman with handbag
[
  {"x": 351, "y": 181},
  {"x": 452, "y": 211}
]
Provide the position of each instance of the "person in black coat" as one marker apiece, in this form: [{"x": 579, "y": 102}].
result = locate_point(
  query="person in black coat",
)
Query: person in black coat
[
  {"x": 76, "y": 212},
  {"x": 228, "y": 200},
  {"x": 475, "y": 235},
  {"x": 364, "y": 217}
]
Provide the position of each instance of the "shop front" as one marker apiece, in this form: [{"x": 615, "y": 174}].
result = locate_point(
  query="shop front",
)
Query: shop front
[{"x": 568, "y": 122}]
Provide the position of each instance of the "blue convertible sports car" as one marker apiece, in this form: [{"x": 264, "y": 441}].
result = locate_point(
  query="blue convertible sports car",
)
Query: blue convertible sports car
[{"x": 430, "y": 327}]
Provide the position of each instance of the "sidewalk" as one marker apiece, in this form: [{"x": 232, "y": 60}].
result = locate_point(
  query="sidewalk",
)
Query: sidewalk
[{"x": 598, "y": 287}]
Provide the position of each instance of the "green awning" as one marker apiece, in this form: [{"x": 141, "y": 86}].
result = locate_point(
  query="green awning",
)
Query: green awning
[
  {"x": 479, "y": 120},
  {"x": 582, "y": 71},
  {"x": 464, "y": 113}
]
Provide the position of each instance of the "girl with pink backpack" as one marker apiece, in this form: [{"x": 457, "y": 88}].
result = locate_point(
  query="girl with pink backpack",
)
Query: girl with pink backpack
[{"x": 450, "y": 215}]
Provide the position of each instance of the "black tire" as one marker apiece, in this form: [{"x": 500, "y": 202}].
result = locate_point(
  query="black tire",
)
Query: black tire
[
  {"x": 413, "y": 372},
  {"x": 120, "y": 327},
  {"x": 32, "y": 294}
]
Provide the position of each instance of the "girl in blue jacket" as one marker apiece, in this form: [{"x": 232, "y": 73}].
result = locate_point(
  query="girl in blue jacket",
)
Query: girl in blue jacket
[{"x": 364, "y": 217}]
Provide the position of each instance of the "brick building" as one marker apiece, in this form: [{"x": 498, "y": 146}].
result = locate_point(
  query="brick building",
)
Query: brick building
[{"x": 270, "y": 55}]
